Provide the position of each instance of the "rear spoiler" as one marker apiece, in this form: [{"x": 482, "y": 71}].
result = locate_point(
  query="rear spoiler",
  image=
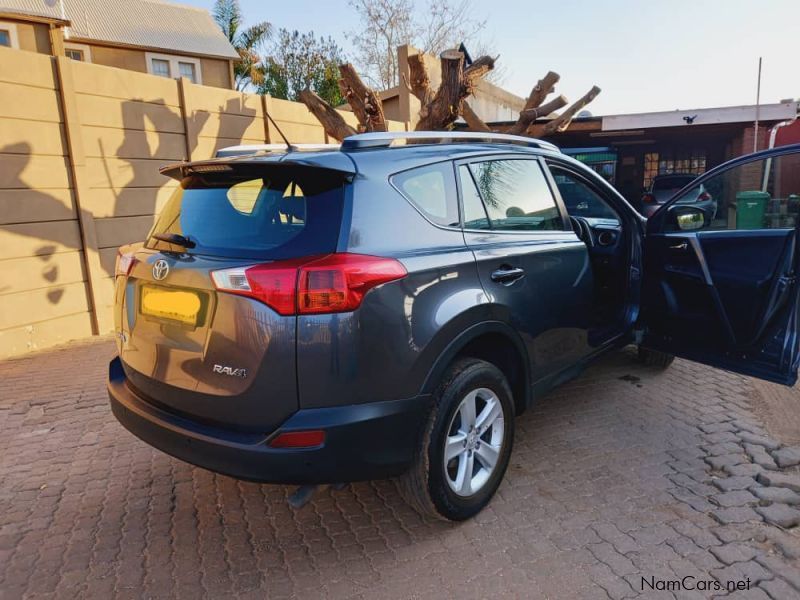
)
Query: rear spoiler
[
  {"x": 248, "y": 149},
  {"x": 336, "y": 162}
]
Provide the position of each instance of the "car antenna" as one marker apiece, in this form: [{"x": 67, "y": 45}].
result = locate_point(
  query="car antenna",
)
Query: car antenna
[{"x": 289, "y": 146}]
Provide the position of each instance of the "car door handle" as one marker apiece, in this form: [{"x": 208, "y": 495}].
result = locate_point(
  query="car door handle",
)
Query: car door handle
[
  {"x": 681, "y": 246},
  {"x": 507, "y": 276}
]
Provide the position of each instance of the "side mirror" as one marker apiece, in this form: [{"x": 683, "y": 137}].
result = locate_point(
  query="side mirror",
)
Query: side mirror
[{"x": 688, "y": 218}]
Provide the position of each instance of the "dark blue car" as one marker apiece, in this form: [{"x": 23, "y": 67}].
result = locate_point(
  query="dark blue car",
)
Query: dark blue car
[{"x": 388, "y": 307}]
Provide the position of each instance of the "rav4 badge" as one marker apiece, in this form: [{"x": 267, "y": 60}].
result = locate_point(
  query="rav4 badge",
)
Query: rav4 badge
[{"x": 230, "y": 371}]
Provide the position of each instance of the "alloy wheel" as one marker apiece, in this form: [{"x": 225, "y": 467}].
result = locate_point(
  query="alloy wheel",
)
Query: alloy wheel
[{"x": 474, "y": 441}]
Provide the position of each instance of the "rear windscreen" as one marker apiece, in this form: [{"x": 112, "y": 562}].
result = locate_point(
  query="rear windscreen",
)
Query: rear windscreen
[{"x": 268, "y": 212}]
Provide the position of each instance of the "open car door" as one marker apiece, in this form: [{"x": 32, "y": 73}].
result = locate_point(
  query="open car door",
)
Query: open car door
[{"x": 720, "y": 273}]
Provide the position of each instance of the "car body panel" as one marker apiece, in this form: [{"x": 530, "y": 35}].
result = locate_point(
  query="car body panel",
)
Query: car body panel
[
  {"x": 174, "y": 364},
  {"x": 727, "y": 298}
]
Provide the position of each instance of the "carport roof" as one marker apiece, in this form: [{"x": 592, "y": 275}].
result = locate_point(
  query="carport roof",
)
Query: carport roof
[{"x": 702, "y": 116}]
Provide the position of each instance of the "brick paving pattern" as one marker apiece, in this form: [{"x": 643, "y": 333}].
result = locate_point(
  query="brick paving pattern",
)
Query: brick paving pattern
[{"x": 623, "y": 474}]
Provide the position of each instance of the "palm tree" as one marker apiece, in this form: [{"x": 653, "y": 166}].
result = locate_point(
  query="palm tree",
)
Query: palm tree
[{"x": 228, "y": 15}]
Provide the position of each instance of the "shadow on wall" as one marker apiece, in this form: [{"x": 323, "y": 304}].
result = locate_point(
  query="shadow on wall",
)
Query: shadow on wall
[
  {"x": 138, "y": 196},
  {"x": 47, "y": 205}
]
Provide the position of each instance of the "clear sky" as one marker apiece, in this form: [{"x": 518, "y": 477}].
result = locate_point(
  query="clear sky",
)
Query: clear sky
[{"x": 645, "y": 55}]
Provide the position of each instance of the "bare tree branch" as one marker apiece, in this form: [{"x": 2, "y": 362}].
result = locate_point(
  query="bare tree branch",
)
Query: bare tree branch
[
  {"x": 474, "y": 122},
  {"x": 561, "y": 122},
  {"x": 539, "y": 92},
  {"x": 479, "y": 68},
  {"x": 333, "y": 123},
  {"x": 366, "y": 104},
  {"x": 430, "y": 25},
  {"x": 529, "y": 115}
]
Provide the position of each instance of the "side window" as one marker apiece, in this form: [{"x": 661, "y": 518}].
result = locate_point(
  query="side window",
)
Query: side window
[
  {"x": 580, "y": 199},
  {"x": 516, "y": 195},
  {"x": 432, "y": 189},
  {"x": 760, "y": 194},
  {"x": 474, "y": 212}
]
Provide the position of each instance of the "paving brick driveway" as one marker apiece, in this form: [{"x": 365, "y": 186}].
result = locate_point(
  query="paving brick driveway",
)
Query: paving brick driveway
[{"x": 622, "y": 474}]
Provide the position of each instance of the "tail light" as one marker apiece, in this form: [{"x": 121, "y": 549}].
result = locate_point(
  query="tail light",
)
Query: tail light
[
  {"x": 703, "y": 196},
  {"x": 648, "y": 199},
  {"x": 124, "y": 263},
  {"x": 311, "y": 285}
]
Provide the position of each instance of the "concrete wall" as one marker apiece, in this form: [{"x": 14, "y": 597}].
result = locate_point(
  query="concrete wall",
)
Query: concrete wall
[
  {"x": 80, "y": 149},
  {"x": 43, "y": 290}
]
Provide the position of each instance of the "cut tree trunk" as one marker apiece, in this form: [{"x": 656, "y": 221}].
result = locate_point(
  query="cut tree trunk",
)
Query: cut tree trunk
[
  {"x": 457, "y": 83},
  {"x": 474, "y": 122},
  {"x": 439, "y": 109},
  {"x": 561, "y": 122},
  {"x": 419, "y": 83},
  {"x": 366, "y": 104},
  {"x": 444, "y": 109},
  {"x": 333, "y": 122}
]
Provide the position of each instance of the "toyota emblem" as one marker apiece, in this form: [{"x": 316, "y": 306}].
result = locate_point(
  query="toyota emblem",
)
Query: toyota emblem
[{"x": 160, "y": 269}]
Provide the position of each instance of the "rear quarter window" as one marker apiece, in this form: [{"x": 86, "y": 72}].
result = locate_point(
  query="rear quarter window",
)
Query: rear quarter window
[{"x": 432, "y": 190}]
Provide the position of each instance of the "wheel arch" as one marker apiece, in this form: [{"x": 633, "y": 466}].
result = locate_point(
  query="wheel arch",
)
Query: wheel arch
[{"x": 495, "y": 342}]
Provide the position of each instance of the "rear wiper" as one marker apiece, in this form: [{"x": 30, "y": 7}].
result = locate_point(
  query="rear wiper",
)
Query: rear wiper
[{"x": 174, "y": 238}]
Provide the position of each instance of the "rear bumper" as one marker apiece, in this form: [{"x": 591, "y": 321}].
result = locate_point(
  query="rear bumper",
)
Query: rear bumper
[{"x": 362, "y": 441}]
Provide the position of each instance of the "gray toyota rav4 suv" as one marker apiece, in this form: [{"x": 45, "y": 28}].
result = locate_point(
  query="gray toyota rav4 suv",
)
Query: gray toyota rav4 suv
[{"x": 386, "y": 308}]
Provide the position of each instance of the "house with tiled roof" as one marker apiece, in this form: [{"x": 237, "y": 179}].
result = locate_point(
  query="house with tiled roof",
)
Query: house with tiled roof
[{"x": 150, "y": 36}]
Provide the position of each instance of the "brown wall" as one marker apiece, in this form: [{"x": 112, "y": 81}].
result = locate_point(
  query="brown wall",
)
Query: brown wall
[
  {"x": 33, "y": 37},
  {"x": 80, "y": 148},
  {"x": 216, "y": 72},
  {"x": 122, "y": 58}
]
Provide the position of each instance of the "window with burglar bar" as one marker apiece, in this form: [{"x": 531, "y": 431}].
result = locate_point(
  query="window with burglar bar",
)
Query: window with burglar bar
[{"x": 668, "y": 162}]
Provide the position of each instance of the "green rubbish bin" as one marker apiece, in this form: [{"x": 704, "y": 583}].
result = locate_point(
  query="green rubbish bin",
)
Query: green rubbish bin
[{"x": 750, "y": 209}]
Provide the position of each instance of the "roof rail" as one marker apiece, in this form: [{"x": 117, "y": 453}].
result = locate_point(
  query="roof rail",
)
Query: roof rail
[
  {"x": 363, "y": 141},
  {"x": 247, "y": 149}
]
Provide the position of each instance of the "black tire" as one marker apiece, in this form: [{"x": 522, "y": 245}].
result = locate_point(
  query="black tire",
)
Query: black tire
[
  {"x": 655, "y": 358},
  {"x": 425, "y": 486}
]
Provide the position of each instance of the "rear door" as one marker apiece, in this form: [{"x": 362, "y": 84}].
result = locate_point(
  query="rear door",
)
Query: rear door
[
  {"x": 531, "y": 264},
  {"x": 721, "y": 288},
  {"x": 190, "y": 337}
]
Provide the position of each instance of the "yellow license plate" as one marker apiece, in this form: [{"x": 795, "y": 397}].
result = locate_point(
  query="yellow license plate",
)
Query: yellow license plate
[{"x": 175, "y": 305}]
